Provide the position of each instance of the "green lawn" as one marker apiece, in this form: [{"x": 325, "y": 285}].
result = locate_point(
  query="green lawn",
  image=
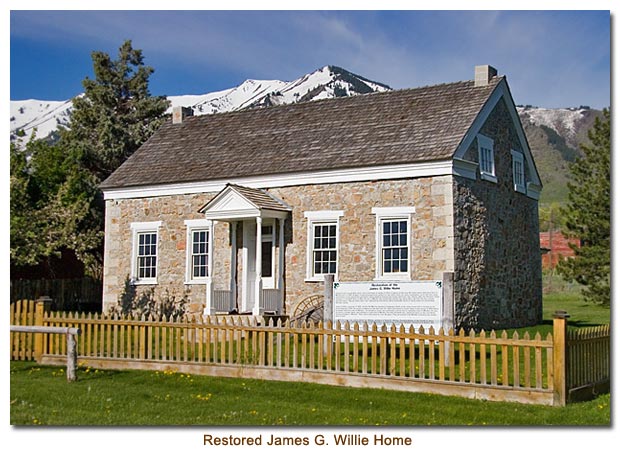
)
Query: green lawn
[
  {"x": 581, "y": 313},
  {"x": 41, "y": 396}
]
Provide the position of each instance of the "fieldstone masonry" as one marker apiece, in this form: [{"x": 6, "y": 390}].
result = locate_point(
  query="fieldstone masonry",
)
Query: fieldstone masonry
[
  {"x": 431, "y": 235},
  {"x": 497, "y": 252}
]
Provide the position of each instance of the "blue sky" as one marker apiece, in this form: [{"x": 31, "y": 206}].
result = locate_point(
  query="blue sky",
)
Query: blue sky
[{"x": 551, "y": 58}]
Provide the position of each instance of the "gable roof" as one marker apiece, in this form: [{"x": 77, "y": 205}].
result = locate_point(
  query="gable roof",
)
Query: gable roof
[
  {"x": 395, "y": 127},
  {"x": 259, "y": 198}
]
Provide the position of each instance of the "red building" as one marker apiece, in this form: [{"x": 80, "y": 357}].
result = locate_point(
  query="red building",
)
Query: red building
[{"x": 554, "y": 246}]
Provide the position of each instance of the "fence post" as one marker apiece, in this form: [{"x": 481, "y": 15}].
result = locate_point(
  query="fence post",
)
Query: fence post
[
  {"x": 71, "y": 358},
  {"x": 559, "y": 358},
  {"x": 447, "y": 317},
  {"x": 328, "y": 305},
  {"x": 42, "y": 305}
]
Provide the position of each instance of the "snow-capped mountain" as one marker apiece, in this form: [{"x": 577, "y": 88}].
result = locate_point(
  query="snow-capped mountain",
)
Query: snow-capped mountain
[
  {"x": 327, "y": 82},
  {"x": 43, "y": 116},
  {"x": 568, "y": 123}
]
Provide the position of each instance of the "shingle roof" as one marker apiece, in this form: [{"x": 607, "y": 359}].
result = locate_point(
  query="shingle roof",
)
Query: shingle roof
[
  {"x": 395, "y": 127},
  {"x": 260, "y": 198}
]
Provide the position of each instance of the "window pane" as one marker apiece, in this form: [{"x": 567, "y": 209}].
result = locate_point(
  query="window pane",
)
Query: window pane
[
  {"x": 395, "y": 249},
  {"x": 146, "y": 260},
  {"x": 199, "y": 251},
  {"x": 266, "y": 260},
  {"x": 324, "y": 253}
]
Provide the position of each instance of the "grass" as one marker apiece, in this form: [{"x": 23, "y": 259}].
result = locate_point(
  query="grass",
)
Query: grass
[{"x": 41, "y": 396}]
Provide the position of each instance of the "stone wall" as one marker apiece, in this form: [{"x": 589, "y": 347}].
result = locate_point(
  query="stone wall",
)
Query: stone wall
[
  {"x": 498, "y": 281},
  {"x": 430, "y": 238},
  {"x": 171, "y": 257}
]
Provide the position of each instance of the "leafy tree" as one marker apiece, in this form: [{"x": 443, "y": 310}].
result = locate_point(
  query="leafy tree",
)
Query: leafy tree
[
  {"x": 587, "y": 215},
  {"x": 24, "y": 238},
  {"x": 50, "y": 205}
]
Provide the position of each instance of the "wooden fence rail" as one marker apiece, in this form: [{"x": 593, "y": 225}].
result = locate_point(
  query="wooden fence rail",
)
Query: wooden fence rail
[
  {"x": 70, "y": 334},
  {"x": 492, "y": 365}
]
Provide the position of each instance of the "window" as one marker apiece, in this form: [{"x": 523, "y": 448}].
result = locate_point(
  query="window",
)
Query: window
[
  {"x": 268, "y": 242},
  {"x": 395, "y": 247},
  {"x": 486, "y": 158},
  {"x": 393, "y": 242},
  {"x": 144, "y": 255},
  {"x": 198, "y": 238},
  {"x": 324, "y": 252},
  {"x": 518, "y": 171},
  {"x": 147, "y": 255},
  {"x": 200, "y": 249},
  {"x": 322, "y": 257}
]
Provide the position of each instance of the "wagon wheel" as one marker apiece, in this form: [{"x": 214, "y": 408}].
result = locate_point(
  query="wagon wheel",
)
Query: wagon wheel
[{"x": 309, "y": 309}]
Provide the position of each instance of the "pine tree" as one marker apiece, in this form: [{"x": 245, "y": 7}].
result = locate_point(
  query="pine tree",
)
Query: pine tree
[
  {"x": 587, "y": 215},
  {"x": 116, "y": 113}
]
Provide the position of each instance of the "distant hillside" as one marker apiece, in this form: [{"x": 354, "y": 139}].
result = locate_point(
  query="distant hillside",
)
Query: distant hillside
[{"x": 554, "y": 136}]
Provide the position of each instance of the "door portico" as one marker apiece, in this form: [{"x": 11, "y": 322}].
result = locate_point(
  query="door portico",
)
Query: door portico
[{"x": 261, "y": 218}]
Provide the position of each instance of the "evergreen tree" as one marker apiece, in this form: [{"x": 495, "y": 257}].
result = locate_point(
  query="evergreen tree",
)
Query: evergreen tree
[
  {"x": 587, "y": 215},
  {"x": 116, "y": 113}
]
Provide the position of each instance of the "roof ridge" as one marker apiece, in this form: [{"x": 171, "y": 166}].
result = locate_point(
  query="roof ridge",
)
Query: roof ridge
[{"x": 341, "y": 99}]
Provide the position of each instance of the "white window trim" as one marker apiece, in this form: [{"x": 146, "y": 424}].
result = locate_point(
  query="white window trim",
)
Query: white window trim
[
  {"x": 321, "y": 216},
  {"x": 387, "y": 214},
  {"x": 191, "y": 226},
  {"x": 137, "y": 228},
  {"x": 271, "y": 238},
  {"x": 486, "y": 142},
  {"x": 517, "y": 157}
]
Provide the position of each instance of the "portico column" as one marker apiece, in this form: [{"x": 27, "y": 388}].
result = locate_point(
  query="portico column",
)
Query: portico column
[
  {"x": 233, "y": 264},
  {"x": 209, "y": 309},
  {"x": 281, "y": 265},
  {"x": 259, "y": 256}
]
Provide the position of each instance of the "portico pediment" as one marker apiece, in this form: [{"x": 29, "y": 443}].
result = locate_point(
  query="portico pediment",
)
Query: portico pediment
[{"x": 235, "y": 202}]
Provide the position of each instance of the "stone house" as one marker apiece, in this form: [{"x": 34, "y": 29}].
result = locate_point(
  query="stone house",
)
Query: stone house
[{"x": 247, "y": 211}]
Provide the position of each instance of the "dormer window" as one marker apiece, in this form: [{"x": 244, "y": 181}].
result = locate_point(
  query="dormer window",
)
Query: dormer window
[{"x": 486, "y": 158}]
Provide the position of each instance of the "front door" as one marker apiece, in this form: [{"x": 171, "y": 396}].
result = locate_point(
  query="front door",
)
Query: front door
[{"x": 249, "y": 260}]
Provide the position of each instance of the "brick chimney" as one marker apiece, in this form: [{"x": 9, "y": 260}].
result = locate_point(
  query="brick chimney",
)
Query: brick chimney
[
  {"x": 483, "y": 75},
  {"x": 181, "y": 112}
]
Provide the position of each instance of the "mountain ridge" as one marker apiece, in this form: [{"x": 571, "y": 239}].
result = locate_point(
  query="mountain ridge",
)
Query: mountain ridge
[
  {"x": 326, "y": 82},
  {"x": 554, "y": 135}
]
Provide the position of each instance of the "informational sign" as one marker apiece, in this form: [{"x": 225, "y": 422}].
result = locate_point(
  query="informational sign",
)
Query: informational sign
[{"x": 417, "y": 303}]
